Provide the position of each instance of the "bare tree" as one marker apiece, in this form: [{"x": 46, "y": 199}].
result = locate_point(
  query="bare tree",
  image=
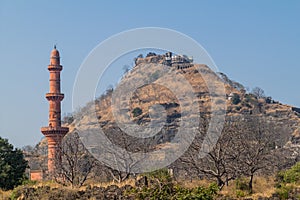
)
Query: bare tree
[
  {"x": 245, "y": 147},
  {"x": 222, "y": 162},
  {"x": 257, "y": 140},
  {"x": 123, "y": 160},
  {"x": 258, "y": 92},
  {"x": 122, "y": 163},
  {"x": 37, "y": 156},
  {"x": 73, "y": 163}
]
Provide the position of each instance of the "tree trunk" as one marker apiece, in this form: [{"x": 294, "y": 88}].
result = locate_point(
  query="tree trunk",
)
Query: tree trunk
[
  {"x": 227, "y": 180},
  {"x": 220, "y": 183},
  {"x": 251, "y": 184}
]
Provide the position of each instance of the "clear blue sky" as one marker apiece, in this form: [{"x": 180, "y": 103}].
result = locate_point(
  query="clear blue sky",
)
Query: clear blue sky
[{"x": 254, "y": 42}]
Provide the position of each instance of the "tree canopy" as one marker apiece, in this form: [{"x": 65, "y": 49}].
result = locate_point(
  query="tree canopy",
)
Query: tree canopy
[{"x": 12, "y": 165}]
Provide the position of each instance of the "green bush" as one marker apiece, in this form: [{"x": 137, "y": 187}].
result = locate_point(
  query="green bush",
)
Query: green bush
[
  {"x": 292, "y": 175},
  {"x": 286, "y": 181},
  {"x": 289, "y": 176},
  {"x": 29, "y": 182},
  {"x": 162, "y": 187},
  {"x": 236, "y": 99},
  {"x": 162, "y": 175},
  {"x": 242, "y": 184},
  {"x": 250, "y": 98},
  {"x": 168, "y": 191},
  {"x": 240, "y": 193},
  {"x": 284, "y": 191},
  {"x": 246, "y": 104},
  {"x": 238, "y": 108},
  {"x": 137, "y": 111}
]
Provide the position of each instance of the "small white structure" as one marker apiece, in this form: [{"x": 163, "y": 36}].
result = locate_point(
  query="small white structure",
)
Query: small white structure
[{"x": 231, "y": 95}]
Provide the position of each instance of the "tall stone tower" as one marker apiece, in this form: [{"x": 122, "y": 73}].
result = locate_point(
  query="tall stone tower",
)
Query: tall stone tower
[{"x": 54, "y": 132}]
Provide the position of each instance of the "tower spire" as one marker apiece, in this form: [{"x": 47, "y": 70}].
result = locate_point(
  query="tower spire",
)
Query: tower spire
[{"x": 54, "y": 132}]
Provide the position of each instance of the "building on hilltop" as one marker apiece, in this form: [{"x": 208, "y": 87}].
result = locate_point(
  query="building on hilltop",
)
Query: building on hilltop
[
  {"x": 178, "y": 61},
  {"x": 169, "y": 59}
]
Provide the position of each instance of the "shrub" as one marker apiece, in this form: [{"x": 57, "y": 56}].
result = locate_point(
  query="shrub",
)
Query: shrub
[
  {"x": 238, "y": 108},
  {"x": 250, "y": 98},
  {"x": 42, "y": 192},
  {"x": 292, "y": 175},
  {"x": 68, "y": 118},
  {"x": 289, "y": 176},
  {"x": 162, "y": 187},
  {"x": 240, "y": 193},
  {"x": 245, "y": 104},
  {"x": 162, "y": 175},
  {"x": 29, "y": 182},
  {"x": 284, "y": 191},
  {"x": 151, "y": 54},
  {"x": 137, "y": 111},
  {"x": 154, "y": 76},
  {"x": 242, "y": 184},
  {"x": 176, "y": 192},
  {"x": 236, "y": 99},
  {"x": 269, "y": 100},
  {"x": 286, "y": 180}
]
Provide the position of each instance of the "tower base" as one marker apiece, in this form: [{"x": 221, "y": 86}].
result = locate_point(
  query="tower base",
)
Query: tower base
[{"x": 54, "y": 137}]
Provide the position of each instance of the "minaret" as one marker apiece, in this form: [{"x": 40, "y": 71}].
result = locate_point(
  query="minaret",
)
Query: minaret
[{"x": 54, "y": 132}]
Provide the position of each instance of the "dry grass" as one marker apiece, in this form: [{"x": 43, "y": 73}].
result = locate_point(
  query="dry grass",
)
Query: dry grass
[
  {"x": 194, "y": 183},
  {"x": 262, "y": 187},
  {"x": 106, "y": 184},
  {"x": 51, "y": 184},
  {"x": 4, "y": 194}
]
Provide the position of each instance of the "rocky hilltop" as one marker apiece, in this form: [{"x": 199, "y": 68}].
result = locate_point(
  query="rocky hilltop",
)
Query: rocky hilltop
[{"x": 184, "y": 75}]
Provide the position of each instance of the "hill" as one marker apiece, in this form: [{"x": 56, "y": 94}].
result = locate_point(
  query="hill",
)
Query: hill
[
  {"x": 179, "y": 81},
  {"x": 142, "y": 98},
  {"x": 162, "y": 103}
]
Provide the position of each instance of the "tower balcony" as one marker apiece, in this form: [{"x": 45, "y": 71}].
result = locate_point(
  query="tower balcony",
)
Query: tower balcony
[
  {"x": 55, "y": 67},
  {"x": 54, "y": 96},
  {"x": 52, "y": 131}
]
